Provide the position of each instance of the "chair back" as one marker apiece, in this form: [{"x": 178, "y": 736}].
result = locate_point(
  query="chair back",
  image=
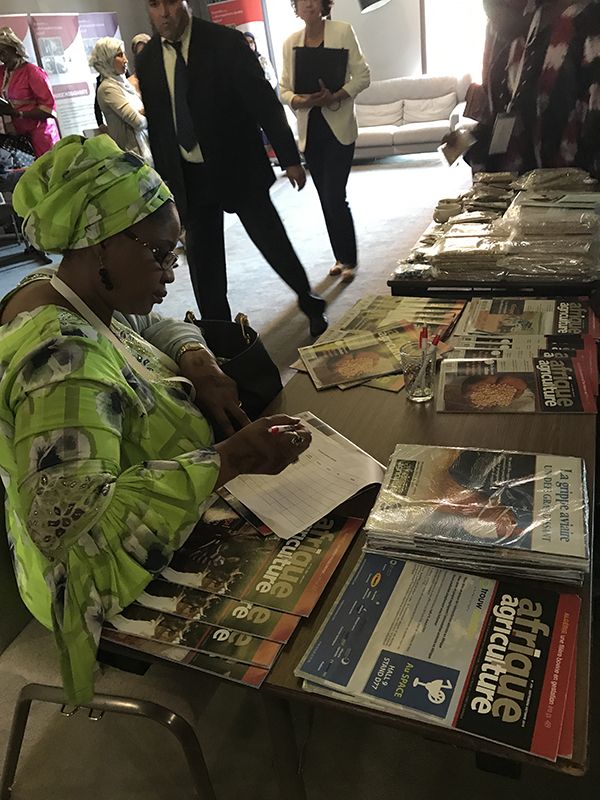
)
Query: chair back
[{"x": 14, "y": 616}]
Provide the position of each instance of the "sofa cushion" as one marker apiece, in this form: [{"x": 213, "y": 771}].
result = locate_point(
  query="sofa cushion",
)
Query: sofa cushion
[
  {"x": 377, "y": 136},
  {"x": 421, "y": 132},
  {"x": 429, "y": 109},
  {"x": 380, "y": 114},
  {"x": 413, "y": 88}
]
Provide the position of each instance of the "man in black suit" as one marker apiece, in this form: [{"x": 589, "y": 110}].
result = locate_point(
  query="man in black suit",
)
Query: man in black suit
[{"x": 206, "y": 97}]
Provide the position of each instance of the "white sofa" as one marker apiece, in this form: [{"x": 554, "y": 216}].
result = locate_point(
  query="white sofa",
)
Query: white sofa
[{"x": 409, "y": 115}]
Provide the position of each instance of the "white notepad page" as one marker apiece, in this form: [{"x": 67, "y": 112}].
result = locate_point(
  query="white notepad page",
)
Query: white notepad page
[{"x": 328, "y": 473}]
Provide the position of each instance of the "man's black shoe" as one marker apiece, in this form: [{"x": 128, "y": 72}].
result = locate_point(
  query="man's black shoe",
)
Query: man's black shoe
[{"x": 318, "y": 325}]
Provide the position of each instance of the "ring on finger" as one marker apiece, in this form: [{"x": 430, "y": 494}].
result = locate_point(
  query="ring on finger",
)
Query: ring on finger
[{"x": 296, "y": 439}]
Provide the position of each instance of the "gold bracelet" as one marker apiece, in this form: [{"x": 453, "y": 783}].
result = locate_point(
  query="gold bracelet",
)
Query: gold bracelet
[{"x": 188, "y": 347}]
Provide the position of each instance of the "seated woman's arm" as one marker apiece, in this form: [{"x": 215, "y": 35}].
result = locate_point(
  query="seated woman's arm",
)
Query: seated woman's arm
[
  {"x": 164, "y": 333},
  {"x": 216, "y": 393},
  {"x": 113, "y": 98}
]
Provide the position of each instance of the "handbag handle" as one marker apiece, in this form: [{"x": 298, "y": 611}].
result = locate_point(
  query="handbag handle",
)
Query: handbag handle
[{"x": 240, "y": 319}]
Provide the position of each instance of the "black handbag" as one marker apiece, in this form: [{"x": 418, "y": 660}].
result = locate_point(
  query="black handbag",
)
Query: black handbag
[{"x": 241, "y": 354}]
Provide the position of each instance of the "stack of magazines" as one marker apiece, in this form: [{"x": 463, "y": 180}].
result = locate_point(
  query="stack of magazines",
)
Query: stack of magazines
[
  {"x": 365, "y": 346},
  {"x": 517, "y": 315},
  {"x": 232, "y": 595},
  {"x": 517, "y": 355},
  {"x": 484, "y": 511},
  {"x": 491, "y": 658}
]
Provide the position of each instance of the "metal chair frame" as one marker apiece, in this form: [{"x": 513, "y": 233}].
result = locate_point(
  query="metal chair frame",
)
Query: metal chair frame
[{"x": 175, "y": 723}]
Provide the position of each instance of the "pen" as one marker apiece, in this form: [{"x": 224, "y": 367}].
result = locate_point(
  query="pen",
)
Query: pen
[{"x": 283, "y": 428}]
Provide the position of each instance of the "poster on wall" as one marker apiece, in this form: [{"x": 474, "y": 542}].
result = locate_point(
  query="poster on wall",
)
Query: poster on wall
[
  {"x": 94, "y": 26},
  {"x": 245, "y": 15},
  {"x": 61, "y": 53}
]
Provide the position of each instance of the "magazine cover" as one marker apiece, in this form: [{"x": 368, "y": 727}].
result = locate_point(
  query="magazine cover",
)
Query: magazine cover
[
  {"x": 356, "y": 358},
  {"x": 284, "y": 575},
  {"x": 489, "y": 499},
  {"x": 558, "y": 384},
  {"x": 376, "y": 312},
  {"x": 490, "y": 658},
  {"x": 518, "y": 315},
  {"x": 389, "y": 383},
  {"x": 243, "y": 511},
  {"x": 148, "y": 623},
  {"x": 582, "y": 348},
  {"x": 198, "y": 606},
  {"x": 213, "y": 665}
]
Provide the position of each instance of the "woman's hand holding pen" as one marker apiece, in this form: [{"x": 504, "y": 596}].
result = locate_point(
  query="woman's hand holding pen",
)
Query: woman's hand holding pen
[{"x": 259, "y": 450}]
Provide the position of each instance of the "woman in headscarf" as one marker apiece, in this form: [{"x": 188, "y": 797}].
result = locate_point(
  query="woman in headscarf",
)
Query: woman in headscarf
[
  {"x": 26, "y": 99},
  {"x": 106, "y": 462},
  {"x": 266, "y": 65},
  {"x": 118, "y": 100}
]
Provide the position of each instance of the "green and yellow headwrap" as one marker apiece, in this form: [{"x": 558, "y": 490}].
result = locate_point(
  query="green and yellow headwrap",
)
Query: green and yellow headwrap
[{"x": 83, "y": 191}]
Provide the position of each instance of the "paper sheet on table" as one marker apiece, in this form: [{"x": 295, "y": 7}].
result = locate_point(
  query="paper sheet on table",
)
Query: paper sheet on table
[{"x": 328, "y": 473}]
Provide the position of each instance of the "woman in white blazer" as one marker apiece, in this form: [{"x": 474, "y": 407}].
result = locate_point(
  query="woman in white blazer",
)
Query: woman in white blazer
[{"x": 327, "y": 126}]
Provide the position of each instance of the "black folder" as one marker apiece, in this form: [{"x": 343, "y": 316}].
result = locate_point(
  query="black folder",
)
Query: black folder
[{"x": 327, "y": 63}]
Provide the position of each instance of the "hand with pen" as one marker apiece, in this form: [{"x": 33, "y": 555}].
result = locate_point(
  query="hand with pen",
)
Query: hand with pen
[{"x": 265, "y": 447}]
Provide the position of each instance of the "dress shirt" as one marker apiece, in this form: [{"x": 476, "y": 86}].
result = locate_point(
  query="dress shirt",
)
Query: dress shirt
[{"x": 169, "y": 59}]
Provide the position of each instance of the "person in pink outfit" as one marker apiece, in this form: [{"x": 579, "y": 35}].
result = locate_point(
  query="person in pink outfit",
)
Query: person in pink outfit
[{"x": 26, "y": 100}]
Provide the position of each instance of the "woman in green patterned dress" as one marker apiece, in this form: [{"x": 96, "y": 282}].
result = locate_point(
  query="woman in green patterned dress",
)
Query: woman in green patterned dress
[{"x": 106, "y": 462}]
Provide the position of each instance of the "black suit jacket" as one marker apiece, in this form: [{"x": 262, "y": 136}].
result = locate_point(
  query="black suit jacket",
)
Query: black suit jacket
[{"x": 229, "y": 99}]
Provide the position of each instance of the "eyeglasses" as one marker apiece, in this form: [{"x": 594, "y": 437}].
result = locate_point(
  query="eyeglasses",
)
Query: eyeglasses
[{"x": 166, "y": 259}]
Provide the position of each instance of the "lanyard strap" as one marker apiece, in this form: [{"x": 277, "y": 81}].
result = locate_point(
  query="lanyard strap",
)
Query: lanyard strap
[
  {"x": 86, "y": 312},
  {"x": 534, "y": 27}
]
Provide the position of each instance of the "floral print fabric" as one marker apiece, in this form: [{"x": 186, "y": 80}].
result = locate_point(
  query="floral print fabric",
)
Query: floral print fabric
[{"x": 105, "y": 476}]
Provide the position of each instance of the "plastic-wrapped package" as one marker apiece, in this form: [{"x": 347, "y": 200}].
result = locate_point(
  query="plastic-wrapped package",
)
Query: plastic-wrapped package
[
  {"x": 567, "y": 245},
  {"x": 571, "y": 178},
  {"x": 579, "y": 269},
  {"x": 542, "y": 221},
  {"x": 413, "y": 270},
  {"x": 498, "y": 510},
  {"x": 495, "y": 178},
  {"x": 474, "y": 217}
]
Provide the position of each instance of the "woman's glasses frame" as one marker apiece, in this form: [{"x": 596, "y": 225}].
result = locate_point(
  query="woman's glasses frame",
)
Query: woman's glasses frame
[{"x": 166, "y": 259}]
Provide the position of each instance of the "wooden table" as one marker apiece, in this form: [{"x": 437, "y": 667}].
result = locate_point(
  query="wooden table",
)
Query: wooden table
[{"x": 376, "y": 421}]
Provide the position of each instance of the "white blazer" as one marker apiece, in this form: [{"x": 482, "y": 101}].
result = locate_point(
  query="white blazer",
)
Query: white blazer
[{"x": 342, "y": 121}]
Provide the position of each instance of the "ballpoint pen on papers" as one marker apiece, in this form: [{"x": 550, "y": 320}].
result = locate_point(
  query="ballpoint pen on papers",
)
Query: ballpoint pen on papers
[{"x": 283, "y": 428}]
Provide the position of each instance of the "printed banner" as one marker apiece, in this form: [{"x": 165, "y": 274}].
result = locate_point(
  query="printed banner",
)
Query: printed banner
[
  {"x": 96, "y": 25},
  {"x": 62, "y": 54},
  {"x": 245, "y": 15}
]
